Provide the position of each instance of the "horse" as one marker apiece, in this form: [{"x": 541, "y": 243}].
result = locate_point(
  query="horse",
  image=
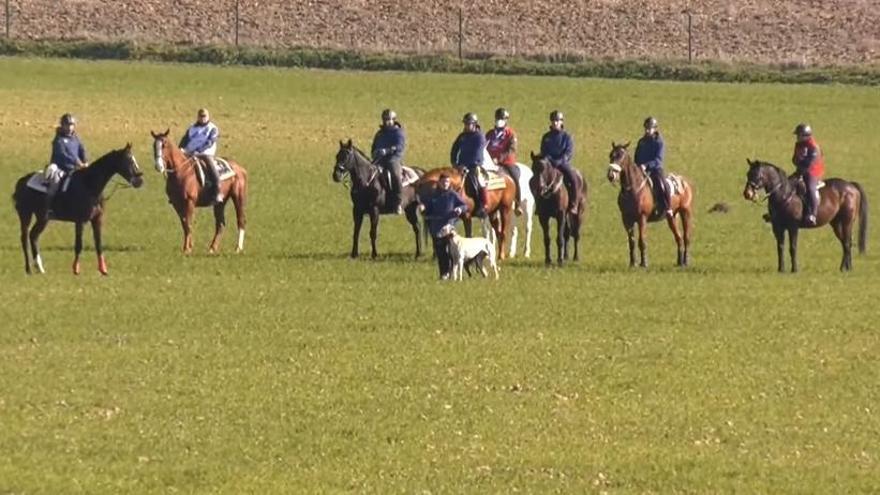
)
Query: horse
[
  {"x": 368, "y": 195},
  {"x": 79, "y": 199},
  {"x": 499, "y": 207},
  {"x": 841, "y": 201},
  {"x": 636, "y": 204},
  {"x": 527, "y": 205},
  {"x": 185, "y": 193},
  {"x": 551, "y": 201}
]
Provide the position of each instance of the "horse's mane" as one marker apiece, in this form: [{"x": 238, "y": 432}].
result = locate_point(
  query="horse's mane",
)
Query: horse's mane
[{"x": 101, "y": 161}]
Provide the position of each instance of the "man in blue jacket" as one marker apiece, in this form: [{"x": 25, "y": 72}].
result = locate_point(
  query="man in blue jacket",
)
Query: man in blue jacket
[
  {"x": 467, "y": 152},
  {"x": 558, "y": 147},
  {"x": 388, "y": 146},
  {"x": 68, "y": 155},
  {"x": 650, "y": 152},
  {"x": 441, "y": 209}
]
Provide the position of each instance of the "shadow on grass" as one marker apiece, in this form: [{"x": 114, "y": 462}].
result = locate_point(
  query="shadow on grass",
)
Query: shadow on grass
[
  {"x": 86, "y": 248},
  {"x": 382, "y": 258}
]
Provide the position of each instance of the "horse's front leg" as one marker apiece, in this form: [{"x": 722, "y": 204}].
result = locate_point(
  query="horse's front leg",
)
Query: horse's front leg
[
  {"x": 36, "y": 230},
  {"x": 792, "y": 248},
  {"x": 97, "y": 223},
  {"x": 545, "y": 226},
  {"x": 77, "y": 245},
  {"x": 643, "y": 246},
  {"x": 219, "y": 226},
  {"x": 374, "y": 231},
  {"x": 186, "y": 213},
  {"x": 779, "y": 233},
  {"x": 358, "y": 217},
  {"x": 560, "y": 238}
]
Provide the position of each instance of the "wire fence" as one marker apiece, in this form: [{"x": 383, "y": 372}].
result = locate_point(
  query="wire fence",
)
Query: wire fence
[{"x": 780, "y": 32}]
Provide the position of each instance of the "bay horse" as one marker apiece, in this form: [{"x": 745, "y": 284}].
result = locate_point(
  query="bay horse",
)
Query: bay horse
[
  {"x": 499, "y": 206},
  {"x": 80, "y": 201},
  {"x": 368, "y": 195},
  {"x": 185, "y": 193},
  {"x": 551, "y": 202},
  {"x": 636, "y": 204},
  {"x": 841, "y": 201}
]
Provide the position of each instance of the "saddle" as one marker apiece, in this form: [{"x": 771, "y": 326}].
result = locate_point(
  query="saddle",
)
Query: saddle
[
  {"x": 38, "y": 183},
  {"x": 408, "y": 176},
  {"x": 224, "y": 170},
  {"x": 490, "y": 180},
  {"x": 674, "y": 182}
]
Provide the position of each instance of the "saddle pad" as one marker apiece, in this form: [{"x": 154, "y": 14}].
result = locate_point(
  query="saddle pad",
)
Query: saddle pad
[
  {"x": 407, "y": 176},
  {"x": 491, "y": 180},
  {"x": 37, "y": 183},
  {"x": 223, "y": 169}
]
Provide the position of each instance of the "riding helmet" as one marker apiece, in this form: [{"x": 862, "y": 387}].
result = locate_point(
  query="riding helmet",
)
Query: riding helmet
[
  {"x": 651, "y": 123},
  {"x": 68, "y": 119},
  {"x": 502, "y": 114},
  {"x": 556, "y": 115},
  {"x": 389, "y": 115},
  {"x": 469, "y": 118},
  {"x": 803, "y": 129}
]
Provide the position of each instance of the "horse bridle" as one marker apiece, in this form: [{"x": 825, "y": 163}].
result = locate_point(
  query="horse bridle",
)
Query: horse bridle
[
  {"x": 345, "y": 167},
  {"x": 619, "y": 169}
]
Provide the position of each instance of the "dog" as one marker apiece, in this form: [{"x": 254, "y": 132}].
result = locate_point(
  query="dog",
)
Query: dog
[{"x": 464, "y": 250}]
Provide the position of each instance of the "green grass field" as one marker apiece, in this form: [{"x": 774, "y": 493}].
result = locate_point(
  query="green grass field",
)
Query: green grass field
[{"x": 293, "y": 369}]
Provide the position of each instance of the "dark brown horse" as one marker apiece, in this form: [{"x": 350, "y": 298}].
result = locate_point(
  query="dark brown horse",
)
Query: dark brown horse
[
  {"x": 186, "y": 193},
  {"x": 499, "y": 207},
  {"x": 636, "y": 203},
  {"x": 368, "y": 195},
  {"x": 551, "y": 201},
  {"x": 841, "y": 202},
  {"x": 79, "y": 202}
]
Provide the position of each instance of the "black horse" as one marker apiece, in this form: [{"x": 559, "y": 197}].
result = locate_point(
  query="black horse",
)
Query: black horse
[
  {"x": 79, "y": 202},
  {"x": 368, "y": 195},
  {"x": 841, "y": 201},
  {"x": 551, "y": 202}
]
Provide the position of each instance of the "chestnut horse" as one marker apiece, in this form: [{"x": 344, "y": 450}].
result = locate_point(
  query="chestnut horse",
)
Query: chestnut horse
[
  {"x": 636, "y": 203},
  {"x": 841, "y": 201},
  {"x": 79, "y": 202},
  {"x": 368, "y": 195},
  {"x": 186, "y": 194},
  {"x": 551, "y": 201},
  {"x": 499, "y": 207}
]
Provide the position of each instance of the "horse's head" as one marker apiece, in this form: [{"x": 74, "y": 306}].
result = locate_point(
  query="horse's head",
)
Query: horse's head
[
  {"x": 344, "y": 161},
  {"x": 758, "y": 177},
  {"x": 128, "y": 167},
  {"x": 617, "y": 158},
  {"x": 544, "y": 174},
  {"x": 163, "y": 151}
]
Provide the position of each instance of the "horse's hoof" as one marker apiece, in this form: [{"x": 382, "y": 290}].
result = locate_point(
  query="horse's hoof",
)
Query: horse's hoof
[{"x": 76, "y": 268}]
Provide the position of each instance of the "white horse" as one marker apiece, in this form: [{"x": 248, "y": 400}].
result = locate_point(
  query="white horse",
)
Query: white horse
[{"x": 527, "y": 205}]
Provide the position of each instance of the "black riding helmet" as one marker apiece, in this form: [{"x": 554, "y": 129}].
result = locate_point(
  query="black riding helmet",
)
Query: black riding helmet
[
  {"x": 651, "y": 123},
  {"x": 389, "y": 114},
  {"x": 556, "y": 115},
  {"x": 502, "y": 114},
  {"x": 469, "y": 118},
  {"x": 803, "y": 129},
  {"x": 68, "y": 119}
]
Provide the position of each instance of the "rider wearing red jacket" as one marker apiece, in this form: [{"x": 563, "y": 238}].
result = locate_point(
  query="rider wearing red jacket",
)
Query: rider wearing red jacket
[
  {"x": 501, "y": 144},
  {"x": 810, "y": 166}
]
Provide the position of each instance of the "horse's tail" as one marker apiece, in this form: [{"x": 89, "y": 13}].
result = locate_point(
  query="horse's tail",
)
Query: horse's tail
[{"x": 863, "y": 218}]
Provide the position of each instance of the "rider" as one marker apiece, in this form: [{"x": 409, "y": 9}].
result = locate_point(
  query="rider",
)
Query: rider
[
  {"x": 501, "y": 144},
  {"x": 68, "y": 155},
  {"x": 443, "y": 208},
  {"x": 558, "y": 147},
  {"x": 467, "y": 152},
  {"x": 810, "y": 166},
  {"x": 388, "y": 146},
  {"x": 200, "y": 140},
  {"x": 649, "y": 155}
]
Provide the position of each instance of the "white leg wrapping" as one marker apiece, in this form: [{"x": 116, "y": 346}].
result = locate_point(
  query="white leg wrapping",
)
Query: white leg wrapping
[
  {"x": 241, "y": 240},
  {"x": 38, "y": 260}
]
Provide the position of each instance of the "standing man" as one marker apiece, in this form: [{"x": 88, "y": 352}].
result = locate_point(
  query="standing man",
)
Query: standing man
[
  {"x": 387, "y": 152},
  {"x": 442, "y": 209},
  {"x": 467, "y": 153},
  {"x": 811, "y": 167},
  {"x": 558, "y": 147},
  {"x": 200, "y": 140},
  {"x": 649, "y": 154},
  {"x": 501, "y": 145}
]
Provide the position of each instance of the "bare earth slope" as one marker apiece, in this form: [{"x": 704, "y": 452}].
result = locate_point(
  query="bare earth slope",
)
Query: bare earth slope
[{"x": 803, "y": 32}]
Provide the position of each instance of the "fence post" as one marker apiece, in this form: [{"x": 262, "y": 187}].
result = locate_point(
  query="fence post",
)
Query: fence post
[
  {"x": 8, "y": 23},
  {"x": 460, "y": 31},
  {"x": 237, "y": 17}
]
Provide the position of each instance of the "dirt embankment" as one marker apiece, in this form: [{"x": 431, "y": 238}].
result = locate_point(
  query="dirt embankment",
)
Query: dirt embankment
[{"x": 797, "y": 32}]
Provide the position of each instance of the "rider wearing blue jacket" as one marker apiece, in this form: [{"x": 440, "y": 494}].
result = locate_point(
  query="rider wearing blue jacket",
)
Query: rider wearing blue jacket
[
  {"x": 388, "y": 146},
  {"x": 467, "y": 152},
  {"x": 443, "y": 208},
  {"x": 650, "y": 152},
  {"x": 558, "y": 147},
  {"x": 68, "y": 155}
]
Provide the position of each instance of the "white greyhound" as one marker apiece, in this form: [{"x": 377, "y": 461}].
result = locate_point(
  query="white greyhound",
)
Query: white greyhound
[{"x": 463, "y": 250}]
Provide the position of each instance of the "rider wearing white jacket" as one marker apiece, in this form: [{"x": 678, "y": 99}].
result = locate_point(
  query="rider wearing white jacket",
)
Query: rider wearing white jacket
[{"x": 201, "y": 140}]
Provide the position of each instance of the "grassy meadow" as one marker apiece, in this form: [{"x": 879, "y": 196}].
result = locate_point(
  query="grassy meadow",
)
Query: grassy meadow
[{"x": 293, "y": 369}]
